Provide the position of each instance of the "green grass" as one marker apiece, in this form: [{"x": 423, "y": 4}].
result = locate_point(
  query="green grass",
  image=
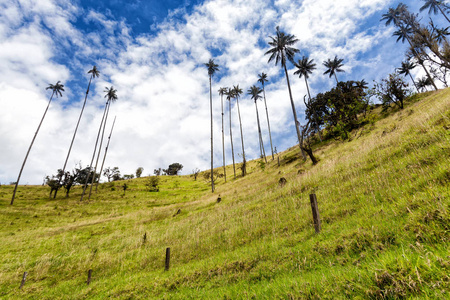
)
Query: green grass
[{"x": 383, "y": 198}]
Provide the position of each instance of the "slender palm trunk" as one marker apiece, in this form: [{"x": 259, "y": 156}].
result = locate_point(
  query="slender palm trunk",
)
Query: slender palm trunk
[
  {"x": 104, "y": 157},
  {"x": 95, "y": 151},
  {"x": 244, "y": 166},
  {"x": 74, "y": 133},
  {"x": 99, "y": 152},
  {"x": 210, "y": 109},
  {"x": 297, "y": 123},
  {"x": 268, "y": 124},
  {"x": 223, "y": 141},
  {"x": 29, "y": 149},
  {"x": 231, "y": 139},
  {"x": 412, "y": 79},
  {"x": 335, "y": 77},
  {"x": 261, "y": 143},
  {"x": 443, "y": 13},
  {"x": 314, "y": 111}
]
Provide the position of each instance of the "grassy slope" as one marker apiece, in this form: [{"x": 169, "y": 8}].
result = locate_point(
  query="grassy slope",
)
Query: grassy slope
[{"x": 383, "y": 197}]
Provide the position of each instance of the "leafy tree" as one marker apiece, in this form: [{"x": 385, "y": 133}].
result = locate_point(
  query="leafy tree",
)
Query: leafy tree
[
  {"x": 56, "y": 90},
  {"x": 333, "y": 67},
  {"x": 128, "y": 176},
  {"x": 222, "y": 91},
  {"x": 255, "y": 92},
  {"x": 139, "y": 172},
  {"x": 157, "y": 172},
  {"x": 237, "y": 91},
  {"x": 152, "y": 183},
  {"x": 94, "y": 73},
  {"x": 229, "y": 94},
  {"x": 173, "y": 169},
  {"x": 392, "y": 90},
  {"x": 112, "y": 173},
  {"x": 263, "y": 79},
  {"x": 212, "y": 68},
  {"x": 304, "y": 68},
  {"x": 281, "y": 51}
]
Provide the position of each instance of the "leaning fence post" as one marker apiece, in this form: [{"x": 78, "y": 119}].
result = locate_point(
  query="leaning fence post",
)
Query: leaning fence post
[
  {"x": 315, "y": 212},
  {"x": 24, "y": 278},
  {"x": 167, "y": 259},
  {"x": 89, "y": 276}
]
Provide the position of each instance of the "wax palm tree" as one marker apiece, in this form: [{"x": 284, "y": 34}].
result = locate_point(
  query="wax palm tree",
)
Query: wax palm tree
[
  {"x": 212, "y": 68},
  {"x": 94, "y": 73},
  {"x": 435, "y": 6},
  {"x": 263, "y": 80},
  {"x": 255, "y": 92},
  {"x": 237, "y": 92},
  {"x": 223, "y": 91},
  {"x": 104, "y": 156},
  {"x": 98, "y": 137},
  {"x": 422, "y": 83},
  {"x": 56, "y": 90},
  {"x": 405, "y": 69},
  {"x": 111, "y": 95},
  {"x": 395, "y": 16},
  {"x": 333, "y": 67},
  {"x": 281, "y": 51},
  {"x": 229, "y": 93},
  {"x": 305, "y": 68}
]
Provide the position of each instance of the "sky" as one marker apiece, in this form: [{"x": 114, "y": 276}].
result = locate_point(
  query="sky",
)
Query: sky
[{"x": 153, "y": 53}]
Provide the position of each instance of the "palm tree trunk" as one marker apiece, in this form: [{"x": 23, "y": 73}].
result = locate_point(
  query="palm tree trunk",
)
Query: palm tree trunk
[
  {"x": 412, "y": 79},
  {"x": 443, "y": 13},
  {"x": 210, "y": 109},
  {"x": 75, "y": 132},
  {"x": 29, "y": 149},
  {"x": 99, "y": 152},
  {"x": 244, "y": 162},
  {"x": 261, "y": 143},
  {"x": 314, "y": 111},
  {"x": 95, "y": 151},
  {"x": 223, "y": 141},
  {"x": 335, "y": 77},
  {"x": 268, "y": 124},
  {"x": 104, "y": 157},
  {"x": 299, "y": 136},
  {"x": 231, "y": 139}
]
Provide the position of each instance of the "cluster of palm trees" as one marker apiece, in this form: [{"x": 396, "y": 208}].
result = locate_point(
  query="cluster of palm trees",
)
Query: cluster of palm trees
[
  {"x": 426, "y": 43},
  {"x": 57, "y": 89}
]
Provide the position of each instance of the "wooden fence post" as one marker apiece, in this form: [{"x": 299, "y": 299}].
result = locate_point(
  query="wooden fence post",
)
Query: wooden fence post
[
  {"x": 89, "y": 277},
  {"x": 315, "y": 212},
  {"x": 24, "y": 278},
  {"x": 167, "y": 259}
]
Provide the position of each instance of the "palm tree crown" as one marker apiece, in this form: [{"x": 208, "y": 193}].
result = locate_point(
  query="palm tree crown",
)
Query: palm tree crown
[
  {"x": 56, "y": 88},
  {"x": 212, "y": 67},
  {"x": 333, "y": 66},
  {"x": 394, "y": 14},
  {"x": 94, "y": 72},
  {"x": 255, "y": 92},
  {"x": 282, "y": 49},
  {"x": 262, "y": 78},
  {"x": 305, "y": 67},
  {"x": 110, "y": 94},
  {"x": 406, "y": 67}
]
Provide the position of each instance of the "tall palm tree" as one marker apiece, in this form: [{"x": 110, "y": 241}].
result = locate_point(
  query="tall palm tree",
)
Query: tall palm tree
[
  {"x": 405, "y": 69},
  {"x": 237, "y": 92},
  {"x": 280, "y": 52},
  {"x": 106, "y": 151},
  {"x": 434, "y": 6},
  {"x": 229, "y": 93},
  {"x": 222, "y": 91},
  {"x": 263, "y": 80},
  {"x": 111, "y": 95},
  {"x": 422, "y": 83},
  {"x": 255, "y": 92},
  {"x": 304, "y": 68},
  {"x": 212, "y": 68},
  {"x": 94, "y": 73},
  {"x": 395, "y": 16},
  {"x": 56, "y": 90},
  {"x": 333, "y": 67}
]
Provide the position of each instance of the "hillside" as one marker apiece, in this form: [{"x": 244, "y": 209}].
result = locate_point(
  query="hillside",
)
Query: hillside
[{"x": 384, "y": 202}]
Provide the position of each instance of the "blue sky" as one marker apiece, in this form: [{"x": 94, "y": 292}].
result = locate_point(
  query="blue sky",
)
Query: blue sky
[{"x": 153, "y": 53}]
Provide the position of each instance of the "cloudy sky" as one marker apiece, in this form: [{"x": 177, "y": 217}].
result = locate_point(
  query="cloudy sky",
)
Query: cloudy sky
[{"x": 153, "y": 53}]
